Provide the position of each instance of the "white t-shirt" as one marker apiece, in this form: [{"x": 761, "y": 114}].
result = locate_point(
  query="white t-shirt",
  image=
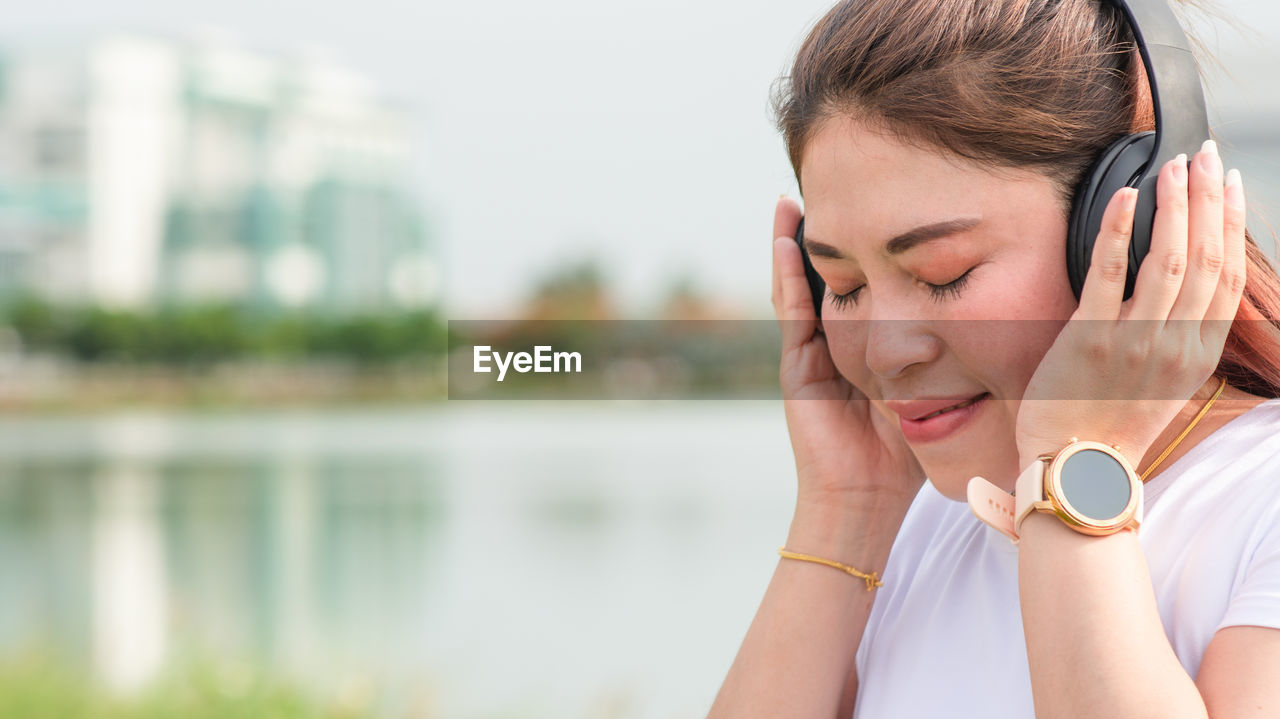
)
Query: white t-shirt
[{"x": 945, "y": 637}]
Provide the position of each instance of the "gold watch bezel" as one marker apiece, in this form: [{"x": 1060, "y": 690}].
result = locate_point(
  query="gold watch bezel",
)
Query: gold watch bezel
[{"x": 1069, "y": 515}]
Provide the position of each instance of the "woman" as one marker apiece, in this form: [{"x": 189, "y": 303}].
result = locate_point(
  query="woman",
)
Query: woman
[{"x": 982, "y": 116}]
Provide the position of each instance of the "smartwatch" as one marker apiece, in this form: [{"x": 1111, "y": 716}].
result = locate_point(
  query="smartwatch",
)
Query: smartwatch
[{"x": 1090, "y": 486}]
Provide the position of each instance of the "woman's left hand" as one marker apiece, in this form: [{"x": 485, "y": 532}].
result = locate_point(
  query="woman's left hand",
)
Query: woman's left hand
[{"x": 1120, "y": 370}]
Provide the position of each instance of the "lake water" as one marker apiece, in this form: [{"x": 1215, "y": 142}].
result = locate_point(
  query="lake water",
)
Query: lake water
[{"x": 460, "y": 560}]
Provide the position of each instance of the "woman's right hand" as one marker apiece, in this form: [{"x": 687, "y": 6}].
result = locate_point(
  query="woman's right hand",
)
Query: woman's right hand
[{"x": 848, "y": 454}]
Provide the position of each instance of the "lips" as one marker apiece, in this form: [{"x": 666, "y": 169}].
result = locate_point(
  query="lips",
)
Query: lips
[{"x": 917, "y": 410}]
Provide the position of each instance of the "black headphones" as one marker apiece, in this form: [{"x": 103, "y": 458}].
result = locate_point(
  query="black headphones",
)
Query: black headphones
[{"x": 1132, "y": 161}]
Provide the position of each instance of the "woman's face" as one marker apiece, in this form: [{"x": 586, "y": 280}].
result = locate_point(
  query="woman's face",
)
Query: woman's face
[{"x": 896, "y": 338}]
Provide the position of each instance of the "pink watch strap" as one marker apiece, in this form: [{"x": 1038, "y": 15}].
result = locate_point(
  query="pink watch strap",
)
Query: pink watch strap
[
  {"x": 1004, "y": 511},
  {"x": 1028, "y": 490},
  {"x": 992, "y": 505}
]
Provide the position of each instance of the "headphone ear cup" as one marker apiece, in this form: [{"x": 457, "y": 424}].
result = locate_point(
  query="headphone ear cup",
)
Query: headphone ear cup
[
  {"x": 1120, "y": 165},
  {"x": 817, "y": 288}
]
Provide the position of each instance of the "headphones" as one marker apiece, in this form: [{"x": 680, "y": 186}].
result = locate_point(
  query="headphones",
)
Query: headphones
[{"x": 1132, "y": 161}]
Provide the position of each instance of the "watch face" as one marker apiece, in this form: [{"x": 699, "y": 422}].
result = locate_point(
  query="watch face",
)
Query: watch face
[{"x": 1095, "y": 484}]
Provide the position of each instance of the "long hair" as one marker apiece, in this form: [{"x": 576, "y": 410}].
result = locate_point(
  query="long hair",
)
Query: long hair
[{"x": 1040, "y": 84}]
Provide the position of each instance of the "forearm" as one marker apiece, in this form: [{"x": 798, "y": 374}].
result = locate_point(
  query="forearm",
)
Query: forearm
[
  {"x": 798, "y": 653},
  {"x": 1095, "y": 642}
]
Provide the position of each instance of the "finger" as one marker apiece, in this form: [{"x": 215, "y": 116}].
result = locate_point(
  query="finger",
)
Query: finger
[
  {"x": 794, "y": 308},
  {"x": 1160, "y": 277},
  {"x": 1205, "y": 256},
  {"x": 1103, "y": 289},
  {"x": 786, "y": 215},
  {"x": 1226, "y": 299}
]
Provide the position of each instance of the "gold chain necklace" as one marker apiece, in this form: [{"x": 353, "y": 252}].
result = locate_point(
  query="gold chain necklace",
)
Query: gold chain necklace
[{"x": 1203, "y": 410}]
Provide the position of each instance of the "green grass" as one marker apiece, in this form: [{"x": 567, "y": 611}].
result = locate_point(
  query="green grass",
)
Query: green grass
[{"x": 37, "y": 687}]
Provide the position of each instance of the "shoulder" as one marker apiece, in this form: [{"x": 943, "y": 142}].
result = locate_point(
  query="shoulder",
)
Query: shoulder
[
  {"x": 1253, "y": 433},
  {"x": 1227, "y": 486},
  {"x": 1242, "y": 452}
]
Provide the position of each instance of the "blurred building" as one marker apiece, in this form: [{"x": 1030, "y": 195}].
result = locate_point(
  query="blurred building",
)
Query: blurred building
[{"x": 137, "y": 171}]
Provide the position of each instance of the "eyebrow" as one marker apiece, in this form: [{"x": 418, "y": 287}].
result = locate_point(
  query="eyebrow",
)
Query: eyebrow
[{"x": 903, "y": 242}]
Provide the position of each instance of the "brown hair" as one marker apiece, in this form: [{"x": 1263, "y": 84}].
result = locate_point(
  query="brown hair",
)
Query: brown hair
[{"x": 1041, "y": 84}]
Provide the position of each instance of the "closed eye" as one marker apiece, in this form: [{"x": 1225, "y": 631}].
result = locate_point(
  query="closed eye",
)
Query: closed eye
[
  {"x": 936, "y": 292},
  {"x": 952, "y": 289},
  {"x": 840, "y": 301}
]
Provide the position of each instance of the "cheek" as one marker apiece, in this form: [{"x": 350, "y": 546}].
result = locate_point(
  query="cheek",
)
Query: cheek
[
  {"x": 847, "y": 342},
  {"x": 1041, "y": 306},
  {"x": 1030, "y": 287},
  {"x": 1021, "y": 342},
  {"x": 1019, "y": 317}
]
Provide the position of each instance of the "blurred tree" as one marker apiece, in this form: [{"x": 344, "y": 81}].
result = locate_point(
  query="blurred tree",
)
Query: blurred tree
[
  {"x": 572, "y": 292},
  {"x": 209, "y": 333},
  {"x": 685, "y": 300}
]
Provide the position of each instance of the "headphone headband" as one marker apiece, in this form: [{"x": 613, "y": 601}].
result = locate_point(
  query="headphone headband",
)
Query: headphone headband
[
  {"x": 1135, "y": 160},
  {"x": 1171, "y": 71}
]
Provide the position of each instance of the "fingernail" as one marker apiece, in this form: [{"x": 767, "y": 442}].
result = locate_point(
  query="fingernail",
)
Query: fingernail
[
  {"x": 1233, "y": 178},
  {"x": 1180, "y": 167},
  {"x": 1208, "y": 158}
]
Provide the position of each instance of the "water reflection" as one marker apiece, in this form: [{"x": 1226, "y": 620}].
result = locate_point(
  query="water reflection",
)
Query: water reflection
[
  {"x": 229, "y": 554},
  {"x": 129, "y": 587},
  {"x": 528, "y": 561}
]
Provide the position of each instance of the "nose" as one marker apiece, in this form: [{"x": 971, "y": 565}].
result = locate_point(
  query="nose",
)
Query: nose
[{"x": 897, "y": 342}]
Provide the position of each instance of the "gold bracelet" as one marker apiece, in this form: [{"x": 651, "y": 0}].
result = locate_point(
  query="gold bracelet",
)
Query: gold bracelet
[{"x": 869, "y": 578}]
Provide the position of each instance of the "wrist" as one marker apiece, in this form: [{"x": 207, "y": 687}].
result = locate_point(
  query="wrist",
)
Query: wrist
[
  {"x": 1031, "y": 450},
  {"x": 813, "y": 497},
  {"x": 859, "y": 536},
  {"x": 1026, "y": 458}
]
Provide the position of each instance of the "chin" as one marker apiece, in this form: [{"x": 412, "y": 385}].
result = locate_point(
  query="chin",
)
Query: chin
[
  {"x": 987, "y": 451},
  {"x": 953, "y": 486},
  {"x": 951, "y": 478}
]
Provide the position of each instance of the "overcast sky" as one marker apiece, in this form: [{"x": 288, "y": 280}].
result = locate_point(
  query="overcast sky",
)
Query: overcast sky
[{"x": 635, "y": 132}]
